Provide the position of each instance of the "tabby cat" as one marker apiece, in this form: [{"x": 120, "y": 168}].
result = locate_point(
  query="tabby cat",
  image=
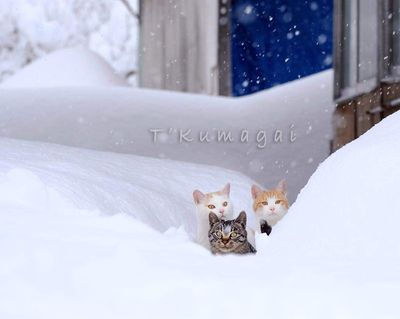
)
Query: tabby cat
[{"x": 229, "y": 236}]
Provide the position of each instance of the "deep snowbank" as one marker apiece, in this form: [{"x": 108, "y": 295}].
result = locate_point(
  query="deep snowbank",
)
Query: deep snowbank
[
  {"x": 335, "y": 255},
  {"x": 154, "y": 191},
  {"x": 71, "y": 67},
  {"x": 351, "y": 203},
  {"x": 119, "y": 120}
]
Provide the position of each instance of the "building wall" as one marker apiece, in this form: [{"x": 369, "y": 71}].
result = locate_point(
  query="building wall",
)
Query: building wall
[
  {"x": 179, "y": 45},
  {"x": 367, "y": 82}
]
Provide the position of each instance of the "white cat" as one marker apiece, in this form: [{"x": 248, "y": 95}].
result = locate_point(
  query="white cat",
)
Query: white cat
[
  {"x": 218, "y": 203},
  {"x": 221, "y": 205}
]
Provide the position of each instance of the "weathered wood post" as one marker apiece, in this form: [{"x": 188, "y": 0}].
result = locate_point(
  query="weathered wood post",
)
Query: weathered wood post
[
  {"x": 180, "y": 45},
  {"x": 367, "y": 86},
  {"x": 224, "y": 48}
]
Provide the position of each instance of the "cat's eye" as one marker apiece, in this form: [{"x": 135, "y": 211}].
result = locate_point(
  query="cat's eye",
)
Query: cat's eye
[
  {"x": 278, "y": 202},
  {"x": 233, "y": 234},
  {"x": 225, "y": 204},
  {"x": 219, "y": 234},
  {"x": 211, "y": 206},
  {"x": 265, "y": 203}
]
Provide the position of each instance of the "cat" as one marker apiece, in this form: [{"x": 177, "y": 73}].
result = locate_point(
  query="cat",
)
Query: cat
[
  {"x": 229, "y": 236},
  {"x": 269, "y": 206},
  {"x": 217, "y": 203}
]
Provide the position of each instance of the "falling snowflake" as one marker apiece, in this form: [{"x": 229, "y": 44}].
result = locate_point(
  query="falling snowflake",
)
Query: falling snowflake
[
  {"x": 278, "y": 45},
  {"x": 328, "y": 60},
  {"x": 322, "y": 38},
  {"x": 248, "y": 9},
  {"x": 81, "y": 120},
  {"x": 287, "y": 17},
  {"x": 256, "y": 166},
  {"x": 313, "y": 6}
]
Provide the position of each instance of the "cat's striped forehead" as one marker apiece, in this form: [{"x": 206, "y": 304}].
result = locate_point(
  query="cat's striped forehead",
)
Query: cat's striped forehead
[{"x": 227, "y": 227}]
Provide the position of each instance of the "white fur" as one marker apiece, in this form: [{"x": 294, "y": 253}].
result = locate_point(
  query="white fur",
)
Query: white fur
[
  {"x": 272, "y": 213},
  {"x": 272, "y": 217},
  {"x": 202, "y": 212}
]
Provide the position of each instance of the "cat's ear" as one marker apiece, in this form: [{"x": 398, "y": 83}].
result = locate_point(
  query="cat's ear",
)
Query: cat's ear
[
  {"x": 226, "y": 190},
  {"x": 242, "y": 218},
  {"x": 213, "y": 219},
  {"x": 255, "y": 191},
  {"x": 198, "y": 196},
  {"x": 282, "y": 187}
]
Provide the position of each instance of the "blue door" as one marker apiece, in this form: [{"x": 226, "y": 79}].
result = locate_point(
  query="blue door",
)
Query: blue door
[{"x": 276, "y": 41}]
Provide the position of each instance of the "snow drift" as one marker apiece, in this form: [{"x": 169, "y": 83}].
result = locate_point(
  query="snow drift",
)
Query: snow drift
[
  {"x": 351, "y": 201},
  {"x": 334, "y": 255},
  {"x": 120, "y": 119},
  {"x": 156, "y": 192},
  {"x": 71, "y": 67}
]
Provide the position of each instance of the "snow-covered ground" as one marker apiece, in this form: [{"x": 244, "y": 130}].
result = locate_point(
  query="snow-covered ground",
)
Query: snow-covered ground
[
  {"x": 79, "y": 238},
  {"x": 72, "y": 67},
  {"x": 104, "y": 229},
  {"x": 31, "y": 29},
  {"x": 112, "y": 183},
  {"x": 120, "y": 119}
]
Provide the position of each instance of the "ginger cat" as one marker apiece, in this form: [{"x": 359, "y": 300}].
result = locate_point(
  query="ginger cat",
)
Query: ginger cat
[{"x": 269, "y": 206}]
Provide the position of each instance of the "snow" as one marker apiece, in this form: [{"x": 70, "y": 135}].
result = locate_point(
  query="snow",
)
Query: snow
[
  {"x": 99, "y": 227},
  {"x": 68, "y": 215},
  {"x": 75, "y": 66},
  {"x": 31, "y": 29},
  {"x": 97, "y": 220},
  {"x": 120, "y": 120},
  {"x": 351, "y": 201},
  {"x": 80, "y": 237},
  {"x": 127, "y": 184}
]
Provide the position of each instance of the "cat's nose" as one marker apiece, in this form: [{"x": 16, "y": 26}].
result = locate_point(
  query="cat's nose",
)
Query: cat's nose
[
  {"x": 272, "y": 209},
  {"x": 221, "y": 211}
]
